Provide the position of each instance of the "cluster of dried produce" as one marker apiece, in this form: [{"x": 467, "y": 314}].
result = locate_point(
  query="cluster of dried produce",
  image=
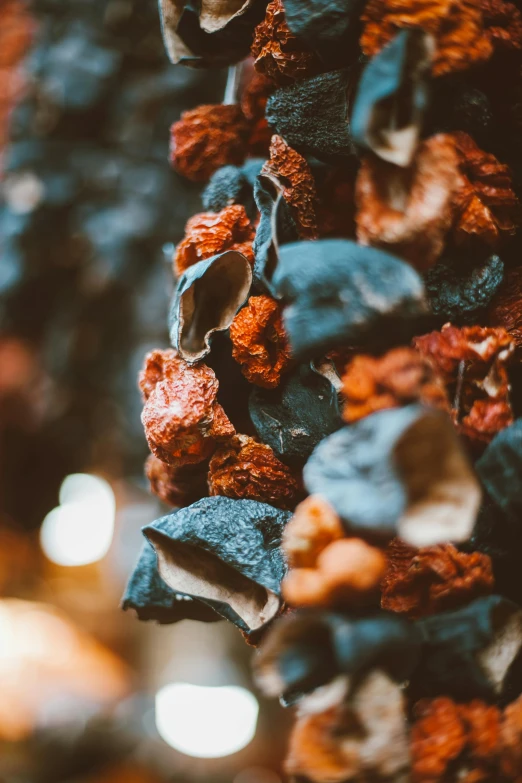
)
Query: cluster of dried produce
[{"x": 337, "y": 418}]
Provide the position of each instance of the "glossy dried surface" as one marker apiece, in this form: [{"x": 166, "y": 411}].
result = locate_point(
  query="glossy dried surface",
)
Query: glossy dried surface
[
  {"x": 206, "y": 138},
  {"x": 294, "y": 173},
  {"x": 208, "y": 234},
  {"x": 433, "y": 579},
  {"x": 277, "y": 52},
  {"x": 399, "y": 377},
  {"x": 409, "y": 211},
  {"x": 473, "y": 363},
  {"x": 176, "y": 486},
  {"x": 246, "y": 469},
  {"x": 259, "y": 342},
  {"x": 181, "y": 416}
]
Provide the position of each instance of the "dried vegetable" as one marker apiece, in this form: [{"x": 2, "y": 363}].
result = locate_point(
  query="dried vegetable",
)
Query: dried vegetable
[{"x": 360, "y": 520}]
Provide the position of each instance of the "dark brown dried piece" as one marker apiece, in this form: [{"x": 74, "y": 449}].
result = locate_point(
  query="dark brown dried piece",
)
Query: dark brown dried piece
[
  {"x": 486, "y": 205},
  {"x": 176, "y": 486},
  {"x": 313, "y": 526},
  {"x": 336, "y": 204},
  {"x": 253, "y": 105},
  {"x": 259, "y": 342},
  {"x": 208, "y": 234},
  {"x": 503, "y": 22},
  {"x": 433, "y": 579},
  {"x": 511, "y": 741},
  {"x": 206, "y": 138},
  {"x": 294, "y": 173},
  {"x": 473, "y": 363},
  {"x": 181, "y": 416},
  {"x": 506, "y": 308},
  {"x": 278, "y": 53},
  {"x": 399, "y": 377},
  {"x": 248, "y": 470},
  {"x": 409, "y": 211},
  {"x": 457, "y": 25}
]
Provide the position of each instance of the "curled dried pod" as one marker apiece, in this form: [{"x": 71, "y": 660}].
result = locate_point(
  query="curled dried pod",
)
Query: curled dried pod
[
  {"x": 207, "y": 297},
  {"x": 457, "y": 294},
  {"x": 259, "y": 342},
  {"x": 313, "y": 526},
  {"x": 500, "y": 470},
  {"x": 181, "y": 416},
  {"x": 176, "y": 485},
  {"x": 152, "y": 599},
  {"x": 209, "y": 234},
  {"x": 293, "y": 418},
  {"x": 339, "y": 293},
  {"x": 225, "y": 552},
  {"x": 243, "y": 468},
  {"x": 399, "y": 471},
  {"x": 392, "y": 97},
  {"x": 233, "y": 185}
]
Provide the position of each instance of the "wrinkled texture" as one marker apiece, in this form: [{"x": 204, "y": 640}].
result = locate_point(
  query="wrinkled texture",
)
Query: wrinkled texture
[
  {"x": 259, "y": 342},
  {"x": 278, "y": 53},
  {"x": 433, "y": 579},
  {"x": 208, "y": 234},
  {"x": 313, "y": 526},
  {"x": 243, "y": 468},
  {"x": 294, "y": 173},
  {"x": 506, "y": 308},
  {"x": 460, "y": 294},
  {"x": 206, "y": 138},
  {"x": 181, "y": 415},
  {"x": 409, "y": 211},
  {"x": 176, "y": 485},
  {"x": 473, "y": 363},
  {"x": 233, "y": 185},
  {"x": 399, "y": 377},
  {"x": 330, "y": 29},
  {"x": 486, "y": 206},
  {"x": 511, "y": 740}
]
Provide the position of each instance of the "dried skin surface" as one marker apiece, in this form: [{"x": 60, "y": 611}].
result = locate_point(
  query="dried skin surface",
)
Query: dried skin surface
[
  {"x": 278, "y": 53},
  {"x": 176, "y": 486},
  {"x": 409, "y": 211},
  {"x": 259, "y": 342},
  {"x": 206, "y": 138},
  {"x": 457, "y": 26},
  {"x": 246, "y": 469},
  {"x": 181, "y": 416},
  {"x": 473, "y": 363},
  {"x": 313, "y": 526},
  {"x": 503, "y": 22},
  {"x": 433, "y": 579},
  {"x": 209, "y": 233},
  {"x": 294, "y": 173},
  {"x": 486, "y": 206},
  {"x": 253, "y": 105},
  {"x": 399, "y": 377},
  {"x": 506, "y": 308},
  {"x": 511, "y": 741}
]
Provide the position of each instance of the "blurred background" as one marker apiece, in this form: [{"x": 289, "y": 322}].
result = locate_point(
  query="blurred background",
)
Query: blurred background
[{"x": 89, "y": 215}]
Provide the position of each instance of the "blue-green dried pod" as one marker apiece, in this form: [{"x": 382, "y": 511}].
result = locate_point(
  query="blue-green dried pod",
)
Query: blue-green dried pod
[
  {"x": 500, "y": 470},
  {"x": 233, "y": 185},
  {"x": 457, "y": 295}
]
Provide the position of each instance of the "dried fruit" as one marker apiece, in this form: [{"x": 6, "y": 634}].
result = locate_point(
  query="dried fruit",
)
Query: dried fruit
[
  {"x": 233, "y": 185},
  {"x": 459, "y": 295},
  {"x": 277, "y": 52},
  {"x": 208, "y": 234},
  {"x": 294, "y": 173},
  {"x": 499, "y": 471},
  {"x": 399, "y": 377},
  {"x": 409, "y": 211},
  {"x": 511, "y": 740},
  {"x": 473, "y": 363},
  {"x": 206, "y": 138},
  {"x": 432, "y": 579},
  {"x": 506, "y": 308},
  {"x": 176, "y": 485},
  {"x": 181, "y": 416},
  {"x": 259, "y": 342},
  {"x": 243, "y": 468},
  {"x": 313, "y": 526}
]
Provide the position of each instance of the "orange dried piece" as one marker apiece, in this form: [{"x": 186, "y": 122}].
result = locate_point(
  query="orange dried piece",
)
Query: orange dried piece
[
  {"x": 313, "y": 526},
  {"x": 246, "y": 469},
  {"x": 511, "y": 741},
  {"x": 181, "y": 415},
  {"x": 505, "y": 309},
  {"x": 482, "y": 722},
  {"x": 503, "y": 22},
  {"x": 433, "y": 579},
  {"x": 296, "y": 177},
  {"x": 210, "y": 233},
  {"x": 253, "y": 105},
  {"x": 486, "y": 205},
  {"x": 315, "y": 748},
  {"x": 438, "y": 737},
  {"x": 399, "y": 377},
  {"x": 409, "y": 211},
  {"x": 259, "y": 342},
  {"x": 206, "y": 138},
  {"x": 278, "y": 53},
  {"x": 473, "y": 363},
  {"x": 176, "y": 486},
  {"x": 457, "y": 26}
]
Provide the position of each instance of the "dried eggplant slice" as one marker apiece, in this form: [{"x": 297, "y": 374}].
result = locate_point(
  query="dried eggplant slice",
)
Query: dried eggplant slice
[
  {"x": 457, "y": 295},
  {"x": 233, "y": 185},
  {"x": 207, "y": 297},
  {"x": 341, "y": 293},
  {"x": 398, "y": 472},
  {"x": 152, "y": 599},
  {"x": 308, "y": 649},
  {"x": 392, "y": 97},
  {"x": 500, "y": 470},
  {"x": 225, "y": 551},
  {"x": 472, "y": 653}
]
